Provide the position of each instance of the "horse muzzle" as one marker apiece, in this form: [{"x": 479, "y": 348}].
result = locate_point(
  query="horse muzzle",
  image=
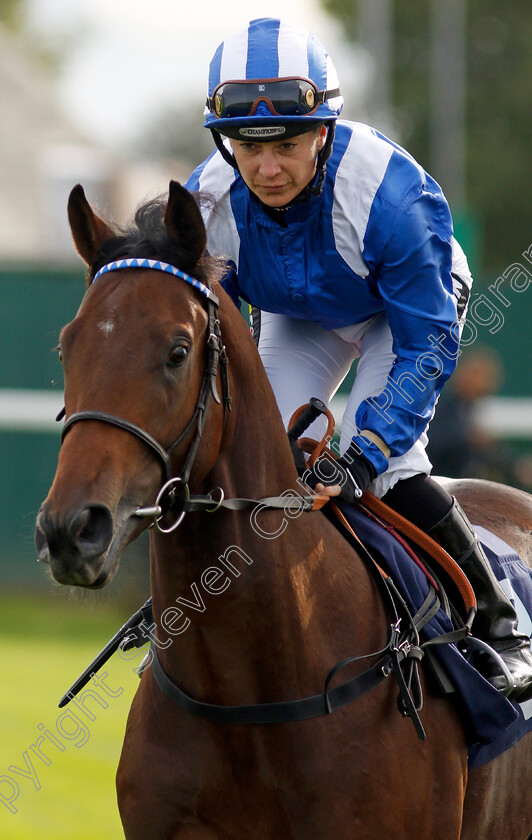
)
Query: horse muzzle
[{"x": 74, "y": 545}]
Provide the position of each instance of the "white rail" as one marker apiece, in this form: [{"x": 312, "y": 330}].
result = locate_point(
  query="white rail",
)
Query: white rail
[
  {"x": 30, "y": 411},
  {"x": 35, "y": 411}
]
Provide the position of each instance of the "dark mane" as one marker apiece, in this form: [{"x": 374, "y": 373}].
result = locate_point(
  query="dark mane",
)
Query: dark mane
[{"x": 147, "y": 236}]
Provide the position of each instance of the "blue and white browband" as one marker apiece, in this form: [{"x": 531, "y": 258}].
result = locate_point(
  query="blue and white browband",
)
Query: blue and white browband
[{"x": 157, "y": 265}]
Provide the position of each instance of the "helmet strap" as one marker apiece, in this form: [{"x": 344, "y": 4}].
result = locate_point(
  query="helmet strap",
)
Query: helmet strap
[
  {"x": 224, "y": 151},
  {"x": 323, "y": 156}
]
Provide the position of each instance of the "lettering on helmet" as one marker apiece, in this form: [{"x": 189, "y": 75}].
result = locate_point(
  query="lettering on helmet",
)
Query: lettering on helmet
[{"x": 264, "y": 131}]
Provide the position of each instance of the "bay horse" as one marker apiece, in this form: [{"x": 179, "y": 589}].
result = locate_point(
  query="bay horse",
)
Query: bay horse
[{"x": 249, "y": 608}]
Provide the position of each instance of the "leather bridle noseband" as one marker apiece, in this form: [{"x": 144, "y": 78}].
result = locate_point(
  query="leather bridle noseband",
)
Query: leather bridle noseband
[{"x": 216, "y": 358}]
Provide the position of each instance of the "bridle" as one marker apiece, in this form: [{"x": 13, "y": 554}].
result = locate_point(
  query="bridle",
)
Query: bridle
[
  {"x": 174, "y": 493},
  {"x": 216, "y": 358}
]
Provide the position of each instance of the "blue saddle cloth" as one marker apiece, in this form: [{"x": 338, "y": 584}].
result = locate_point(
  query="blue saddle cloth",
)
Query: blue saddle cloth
[{"x": 492, "y": 723}]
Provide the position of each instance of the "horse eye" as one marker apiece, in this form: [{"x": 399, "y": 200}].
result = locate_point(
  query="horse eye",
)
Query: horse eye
[{"x": 177, "y": 355}]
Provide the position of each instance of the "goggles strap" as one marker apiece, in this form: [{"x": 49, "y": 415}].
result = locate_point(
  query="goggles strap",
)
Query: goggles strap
[{"x": 323, "y": 95}]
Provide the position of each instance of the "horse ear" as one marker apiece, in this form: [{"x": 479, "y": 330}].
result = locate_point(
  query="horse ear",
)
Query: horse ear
[
  {"x": 88, "y": 231},
  {"x": 183, "y": 222}
]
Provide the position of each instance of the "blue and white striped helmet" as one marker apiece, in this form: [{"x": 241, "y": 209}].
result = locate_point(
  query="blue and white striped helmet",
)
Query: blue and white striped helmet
[{"x": 270, "y": 80}]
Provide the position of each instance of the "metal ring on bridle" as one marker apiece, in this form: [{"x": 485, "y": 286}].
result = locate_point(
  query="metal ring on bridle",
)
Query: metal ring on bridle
[
  {"x": 218, "y": 503},
  {"x": 165, "y": 490}
]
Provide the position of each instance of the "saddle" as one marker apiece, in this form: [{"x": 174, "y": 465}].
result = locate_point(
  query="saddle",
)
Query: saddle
[
  {"x": 441, "y": 571},
  {"x": 417, "y": 564}
]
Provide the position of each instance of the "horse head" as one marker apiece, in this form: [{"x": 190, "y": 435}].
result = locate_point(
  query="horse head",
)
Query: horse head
[{"x": 139, "y": 359}]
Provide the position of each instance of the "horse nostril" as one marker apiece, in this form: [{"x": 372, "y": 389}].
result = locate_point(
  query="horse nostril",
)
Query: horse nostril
[
  {"x": 41, "y": 543},
  {"x": 91, "y": 530},
  {"x": 85, "y": 532}
]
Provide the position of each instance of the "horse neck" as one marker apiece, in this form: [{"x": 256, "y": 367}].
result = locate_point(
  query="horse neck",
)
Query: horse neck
[
  {"x": 255, "y": 455},
  {"x": 269, "y": 564}
]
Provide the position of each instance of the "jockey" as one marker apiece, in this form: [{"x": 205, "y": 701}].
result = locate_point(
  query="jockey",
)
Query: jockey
[{"x": 343, "y": 246}]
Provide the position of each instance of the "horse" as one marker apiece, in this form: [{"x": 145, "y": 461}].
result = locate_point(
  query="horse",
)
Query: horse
[{"x": 252, "y": 605}]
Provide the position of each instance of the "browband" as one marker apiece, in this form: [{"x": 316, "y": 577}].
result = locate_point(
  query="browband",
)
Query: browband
[{"x": 157, "y": 265}]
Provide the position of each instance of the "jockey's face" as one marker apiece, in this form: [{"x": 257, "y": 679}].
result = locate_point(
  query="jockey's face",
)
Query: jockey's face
[{"x": 277, "y": 171}]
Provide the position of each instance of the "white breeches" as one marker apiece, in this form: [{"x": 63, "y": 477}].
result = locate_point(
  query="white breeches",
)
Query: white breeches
[{"x": 303, "y": 360}]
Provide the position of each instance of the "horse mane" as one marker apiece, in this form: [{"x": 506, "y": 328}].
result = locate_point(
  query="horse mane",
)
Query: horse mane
[{"x": 147, "y": 237}]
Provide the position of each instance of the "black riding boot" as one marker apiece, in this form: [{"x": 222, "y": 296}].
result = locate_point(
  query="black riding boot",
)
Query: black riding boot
[{"x": 496, "y": 619}]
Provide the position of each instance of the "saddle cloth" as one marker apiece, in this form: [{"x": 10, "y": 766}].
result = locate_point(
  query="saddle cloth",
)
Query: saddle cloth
[{"x": 492, "y": 723}]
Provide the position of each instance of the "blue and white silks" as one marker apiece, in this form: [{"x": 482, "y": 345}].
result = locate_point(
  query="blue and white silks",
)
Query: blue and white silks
[{"x": 378, "y": 239}]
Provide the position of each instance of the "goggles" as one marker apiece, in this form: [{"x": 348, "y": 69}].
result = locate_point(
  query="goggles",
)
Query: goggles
[{"x": 291, "y": 96}]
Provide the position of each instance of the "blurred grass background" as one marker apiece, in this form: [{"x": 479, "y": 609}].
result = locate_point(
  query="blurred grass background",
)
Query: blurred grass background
[{"x": 47, "y": 640}]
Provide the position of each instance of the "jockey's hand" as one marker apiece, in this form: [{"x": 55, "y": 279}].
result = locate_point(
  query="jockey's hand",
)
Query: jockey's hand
[
  {"x": 332, "y": 490},
  {"x": 348, "y": 477}
]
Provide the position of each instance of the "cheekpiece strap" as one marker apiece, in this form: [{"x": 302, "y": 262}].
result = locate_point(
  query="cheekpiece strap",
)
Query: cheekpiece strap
[{"x": 157, "y": 265}]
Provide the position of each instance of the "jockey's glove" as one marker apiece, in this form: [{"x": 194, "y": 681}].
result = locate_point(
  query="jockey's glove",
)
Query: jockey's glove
[{"x": 352, "y": 471}]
